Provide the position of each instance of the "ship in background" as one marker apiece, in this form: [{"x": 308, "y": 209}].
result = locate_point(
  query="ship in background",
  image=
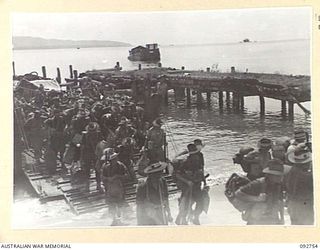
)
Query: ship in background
[{"x": 149, "y": 53}]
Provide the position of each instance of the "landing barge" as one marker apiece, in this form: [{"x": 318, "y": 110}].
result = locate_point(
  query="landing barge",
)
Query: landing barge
[{"x": 149, "y": 53}]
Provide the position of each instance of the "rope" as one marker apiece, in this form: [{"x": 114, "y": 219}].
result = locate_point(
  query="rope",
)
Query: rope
[
  {"x": 173, "y": 140},
  {"x": 170, "y": 134},
  {"x": 171, "y": 137}
]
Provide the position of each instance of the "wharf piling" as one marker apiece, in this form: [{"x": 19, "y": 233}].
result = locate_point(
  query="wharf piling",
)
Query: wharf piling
[
  {"x": 71, "y": 71},
  {"x": 262, "y": 105},
  {"x": 208, "y": 98},
  {"x": 291, "y": 110},
  {"x": 236, "y": 101},
  {"x": 236, "y": 85},
  {"x": 44, "y": 72},
  {"x": 242, "y": 102},
  {"x": 199, "y": 98},
  {"x": 58, "y": 76},
  {"x": 228, "y": 99},
  {"x": 283, "y": 108},
  {"x": 220, "y": 99},
  {"x": 13, "y": 69},
  {"x": 188, "y": 97},
  {"x": 75, "y": 75}
]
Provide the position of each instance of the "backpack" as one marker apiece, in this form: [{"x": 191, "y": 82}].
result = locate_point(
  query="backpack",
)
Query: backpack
[
  {"x": 142, "y": 163},
  {"x": 234, "y": 182}
]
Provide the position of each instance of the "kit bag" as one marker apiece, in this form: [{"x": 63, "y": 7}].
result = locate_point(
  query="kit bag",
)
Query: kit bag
[{"x": 234, "y": 182}]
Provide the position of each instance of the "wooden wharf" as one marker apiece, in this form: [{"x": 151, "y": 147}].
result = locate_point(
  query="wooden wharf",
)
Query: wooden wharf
[
  {"x": 232, "y": 87},
  {"x": 50, "y": 187}
]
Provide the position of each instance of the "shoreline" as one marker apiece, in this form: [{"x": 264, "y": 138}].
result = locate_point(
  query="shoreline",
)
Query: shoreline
[{"x": 221, "y": 213}]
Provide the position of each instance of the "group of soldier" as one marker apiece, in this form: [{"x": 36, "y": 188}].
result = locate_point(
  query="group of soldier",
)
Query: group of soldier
[
  {"x": 112, "y": 137},
  {"x": 280, "y": 175},
  {"x": 105, "y": 135}
]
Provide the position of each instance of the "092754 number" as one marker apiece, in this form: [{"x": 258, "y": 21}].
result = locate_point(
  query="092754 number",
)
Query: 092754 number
[{"x": 306, "y": 246}]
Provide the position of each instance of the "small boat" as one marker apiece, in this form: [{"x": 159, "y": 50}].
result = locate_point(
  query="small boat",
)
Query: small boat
[
  {"x": 149, "y": 53},
  {"x": 245, "y": 41}
]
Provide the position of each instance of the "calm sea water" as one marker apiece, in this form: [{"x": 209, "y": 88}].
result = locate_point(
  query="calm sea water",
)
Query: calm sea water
[
  {"x": 223, "y": 132},
  {"x": 291, "y": 57}
]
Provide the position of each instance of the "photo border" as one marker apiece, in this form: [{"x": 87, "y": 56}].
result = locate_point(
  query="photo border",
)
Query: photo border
[{"x": 215, "y": 234}]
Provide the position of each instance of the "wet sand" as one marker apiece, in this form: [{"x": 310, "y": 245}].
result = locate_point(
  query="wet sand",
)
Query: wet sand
[{"x": 221, "y": 213}]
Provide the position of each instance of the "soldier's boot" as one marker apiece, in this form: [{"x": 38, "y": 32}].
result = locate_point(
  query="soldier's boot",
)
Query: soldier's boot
[{"x": 196, "y": 220}]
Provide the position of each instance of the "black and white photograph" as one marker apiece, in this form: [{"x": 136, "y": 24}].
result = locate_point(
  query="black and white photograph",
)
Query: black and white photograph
[{"x": 162, "y": 119}]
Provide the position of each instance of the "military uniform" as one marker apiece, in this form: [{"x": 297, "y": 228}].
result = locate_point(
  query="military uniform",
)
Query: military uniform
[
  {"x": 299, "y": 186},
  {"x": 123, "y": 132},
  {"x": 191, "y": 170},
  {"x": 264, "y": 196},
  {"x": 34, "y": 129},
  {"x": 78, "y": 124},
  {"x": 89, "y": 143},
  {"x": 56, "y": 140},
  {"x": 149, "y": 207},
  {"x": 113, "y": 176},
  {"x": 254, "y": 163},
  {"x": 263, "y": 213},
  {"x": 155, "y": 142},
  {"x": 152, "y": 197}
]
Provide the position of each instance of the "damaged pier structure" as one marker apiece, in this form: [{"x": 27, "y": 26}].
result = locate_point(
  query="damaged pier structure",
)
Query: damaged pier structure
[{"x": 230, "y": 88}]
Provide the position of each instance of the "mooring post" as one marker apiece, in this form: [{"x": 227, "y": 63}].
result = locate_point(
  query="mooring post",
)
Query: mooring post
[
  {"x": 188, "y": 97},
  {"x": 262, "y": 105},
  {"x": 71, "y": 71},
  {"x": 13, "y": 69},
  {"x": 118, "y": 65},
  {"x": 208, "y": 98},
  {"x": 75, "y": 74},
  {"x": 58, "y": 76},
  {"x": 283, "y": 107},
  {"x": 291, "y": 110},
  {"x": 241, "y": 102},
  {"x": 139, "y": 66},
  {"x": 44, "y": 72},
  {"x": 220, "y": 99},
  {"x": 228, "y": 99}
]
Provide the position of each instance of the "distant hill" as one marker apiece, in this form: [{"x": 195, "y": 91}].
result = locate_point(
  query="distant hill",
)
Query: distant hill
[{"x": 28, "y": 42}]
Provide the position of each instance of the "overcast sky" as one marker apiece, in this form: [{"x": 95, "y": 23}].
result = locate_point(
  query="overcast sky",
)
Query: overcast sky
[{"x": 185, "y": 27}]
